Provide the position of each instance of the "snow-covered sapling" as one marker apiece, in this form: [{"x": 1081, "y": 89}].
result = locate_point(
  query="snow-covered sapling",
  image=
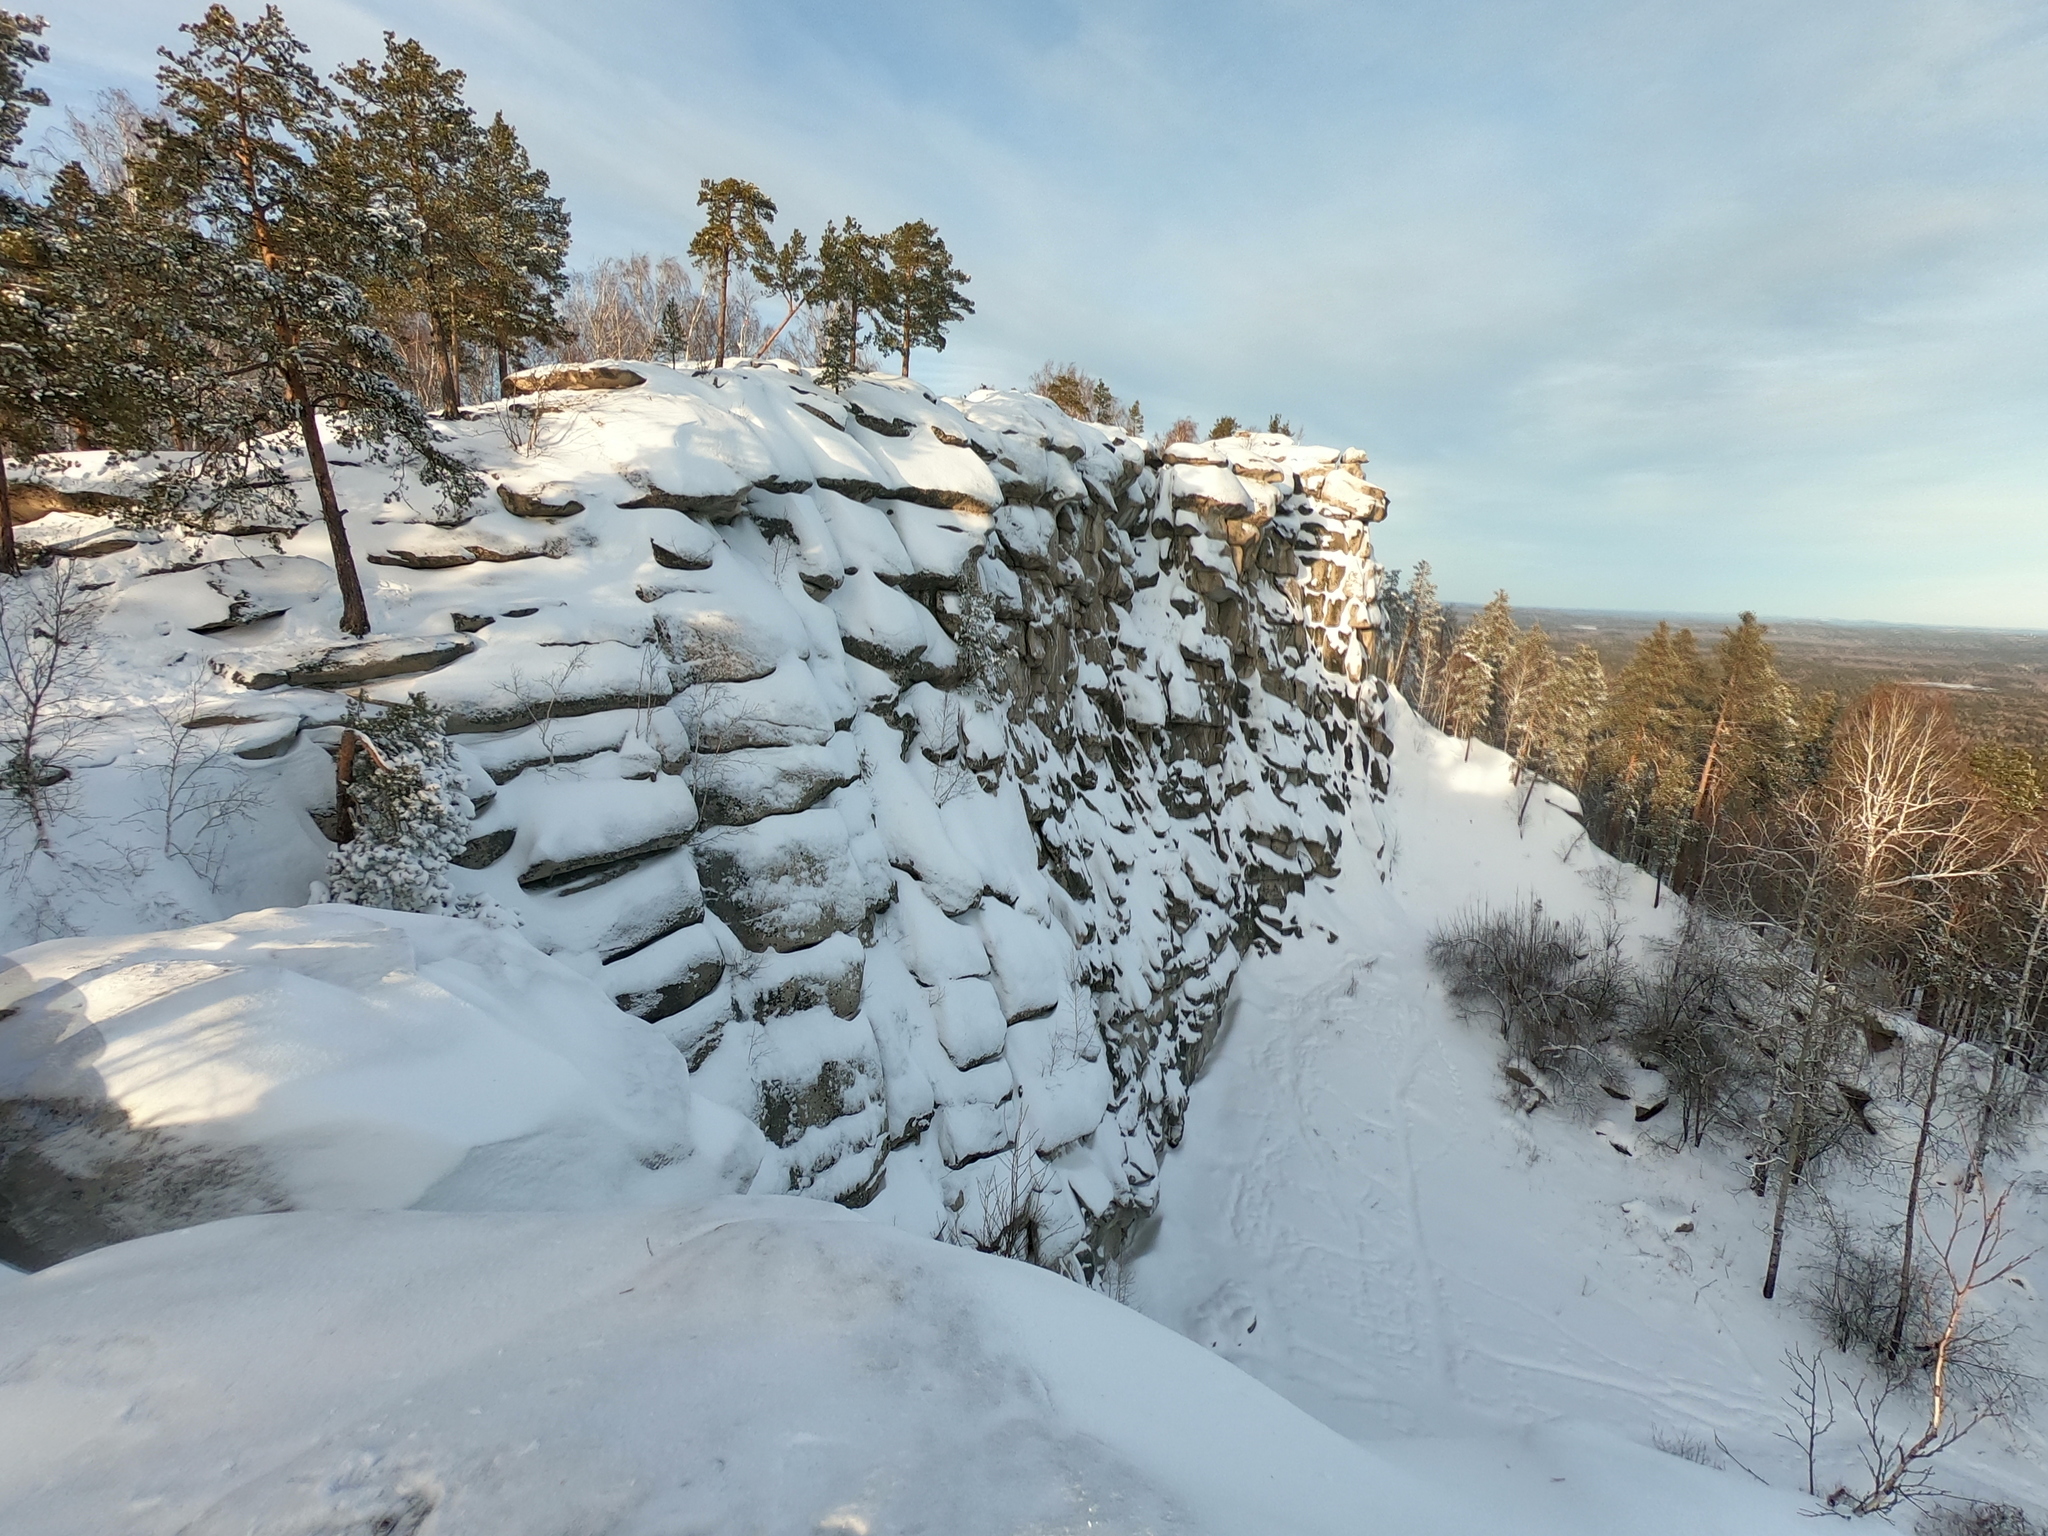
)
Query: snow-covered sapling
[{"x": 400, "y": 808}]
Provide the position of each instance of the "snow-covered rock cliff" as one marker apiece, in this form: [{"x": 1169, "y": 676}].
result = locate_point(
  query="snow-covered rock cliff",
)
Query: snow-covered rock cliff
[{"x": 921, "y": 769}]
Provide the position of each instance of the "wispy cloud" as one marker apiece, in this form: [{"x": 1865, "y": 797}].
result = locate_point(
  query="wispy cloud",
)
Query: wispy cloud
[{"x": 1633, "y": 303}]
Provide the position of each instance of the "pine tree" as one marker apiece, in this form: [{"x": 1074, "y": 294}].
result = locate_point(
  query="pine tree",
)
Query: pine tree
[
  {"x": 788, "y": 272},
  {"x": 852, "y": 281},
  {"x": 245, "y": 153},
  {"x": 1747, "y": 761},
  {"x": 1224, "y": 426},
  {"x": 1134, "y": 420},
  {"x": 671, "y": 338},
  {"x": 127, "y": 338},
  {"x": 1522, "y": 689},
  {"x": 923, "y": 292},
  {"x": 1653, "y": 744},
  {"x": 521, "y": 243},
  {"x": 1416, "y": 661},
  {"x": 1573, "y": 704},
  {"x": 1491, "y": 637},
  {"x": 1467, "y": 694},
  {"x": 412, "y": 148},
  {"x": 24, "y": 325},
  {"x": 2009, "y": 773},
  {"x": 735, "y": 233}
]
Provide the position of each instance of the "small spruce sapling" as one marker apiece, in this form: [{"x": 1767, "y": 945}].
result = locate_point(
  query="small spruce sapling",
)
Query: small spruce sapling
[{"x": 401, "y": 807}]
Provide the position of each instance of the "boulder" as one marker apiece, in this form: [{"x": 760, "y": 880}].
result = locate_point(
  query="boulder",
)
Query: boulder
[
  {"x": 520, "y": 504},
  {"x": 736, "y": 788},
  {"x": 827, "y": 975},
  {"x": 719, "y": 508},
  {"x": 784, "y": 883},
  {"x": 970, "y": 1021},
  {"x": 31, "y": 500},
  {"x": 338, "y": 666},
  {"x": 534, "y": 381},
  {"x": 669, "y": 975},
  {"x": 596, "y": 823}
]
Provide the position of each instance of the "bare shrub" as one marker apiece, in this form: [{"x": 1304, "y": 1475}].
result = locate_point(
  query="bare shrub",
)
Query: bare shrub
[
  {"x": 47, "y": 620},
  {"x": 1553, "y": 989},
  {"x": 1685, "y": 1018},
  {"x": 1017, "y": 1219},
  {"x": 194, "y": 793},
  {"x": 1977, "y": 1520},
  {"x": 1852, "y": 1295},
  {"x": 1685, "y": 1446}
]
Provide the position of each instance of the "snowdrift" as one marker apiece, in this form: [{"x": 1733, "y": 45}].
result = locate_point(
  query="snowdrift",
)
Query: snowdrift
[
  {"x": 332, "y": 1057},
  {"x": 762, "y": 1365}
]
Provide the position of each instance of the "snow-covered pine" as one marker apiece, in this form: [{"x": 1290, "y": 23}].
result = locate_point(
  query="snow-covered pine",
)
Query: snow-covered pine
[{"x": 407, "y": 807}]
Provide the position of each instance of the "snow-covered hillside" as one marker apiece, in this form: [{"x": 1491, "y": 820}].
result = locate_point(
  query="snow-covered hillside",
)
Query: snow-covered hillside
[
  {"x": 1360, "y": 1217},
  {"x": 921, "y": 769},
  {"x": 941, "y": 808}
]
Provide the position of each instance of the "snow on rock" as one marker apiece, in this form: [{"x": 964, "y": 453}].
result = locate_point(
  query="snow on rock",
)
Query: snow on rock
[
  {"x": 327, "y": 1057},
  {"x": 750, "y": 1365},
  {"x": 921, "y": 769}
]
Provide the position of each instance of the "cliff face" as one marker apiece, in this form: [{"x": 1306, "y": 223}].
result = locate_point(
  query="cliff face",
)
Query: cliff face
[{"x": 922, "y": 768}]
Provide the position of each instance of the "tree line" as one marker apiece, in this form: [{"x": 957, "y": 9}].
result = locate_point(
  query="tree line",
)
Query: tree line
[
  {"x": 268, "y": 256},
  {"x": 1846, "y": 864},
  {"x": 1893, "y": 861},
  {"x": 834, "y": 307},
  {"x": 1086, "y": 398}
]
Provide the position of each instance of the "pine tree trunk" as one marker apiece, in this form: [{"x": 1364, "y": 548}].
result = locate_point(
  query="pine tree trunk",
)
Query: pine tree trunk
[
  {"x": 10, "y": 560},
  {"x": 906, "y": 340},
  {"x": 355, "y": 612},
  {"x": 1699, "y": 799},
  {"x": 724, "y": 276},
  {"x": 451, "y": 380},
  {"x": 504, "y": 366},
  {"x": 776, "y": 332}
]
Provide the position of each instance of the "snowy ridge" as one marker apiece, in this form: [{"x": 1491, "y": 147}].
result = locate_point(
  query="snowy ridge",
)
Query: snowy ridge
[{"x": 921, "y": 769}]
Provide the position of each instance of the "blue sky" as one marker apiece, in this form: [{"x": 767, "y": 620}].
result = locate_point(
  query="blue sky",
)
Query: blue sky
[{"x": 1695, "y": 306}]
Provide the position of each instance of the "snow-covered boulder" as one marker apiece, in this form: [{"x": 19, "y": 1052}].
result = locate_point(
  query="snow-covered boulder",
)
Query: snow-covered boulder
[{"x": 329, "y": 1057}]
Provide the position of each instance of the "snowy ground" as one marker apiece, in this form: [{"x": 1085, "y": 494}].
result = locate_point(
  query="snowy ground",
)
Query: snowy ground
[
  {"x": 1494, "y": 1317},
  {"x": 760, "y": 1365},
  {"x": 1357, "y": 1218}
]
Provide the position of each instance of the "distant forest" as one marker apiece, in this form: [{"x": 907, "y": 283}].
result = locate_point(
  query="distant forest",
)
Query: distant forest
[{"x": 1907, "y": 851}]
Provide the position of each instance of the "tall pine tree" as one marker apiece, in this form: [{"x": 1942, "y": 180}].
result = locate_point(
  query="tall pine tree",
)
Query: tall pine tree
[
  {"x": 1653, "y": 743},
  {"x": 521, "y": 235},
  {"x": 411, "y": 147},
  {"x": 1749, "y": 751},
  {"x": 245, "y": 152},
  {"x": 1573, "y": 703},
  {"x": 735, "y": 234},
  {"x": 24, "y": 321},
  {"x": 852, "y": 281},
  {"x": 788, "y": 272},
  {"x": 1415, "y": 662},
  {"x": 924, "y": 296}
]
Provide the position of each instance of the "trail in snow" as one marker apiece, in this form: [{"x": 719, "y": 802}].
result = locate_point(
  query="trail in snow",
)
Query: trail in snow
[{"x": 1357, "y": 1217}]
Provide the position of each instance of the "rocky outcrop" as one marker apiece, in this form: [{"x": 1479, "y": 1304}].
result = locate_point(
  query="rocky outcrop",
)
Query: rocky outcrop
[{"x": 923, "y": 769}]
